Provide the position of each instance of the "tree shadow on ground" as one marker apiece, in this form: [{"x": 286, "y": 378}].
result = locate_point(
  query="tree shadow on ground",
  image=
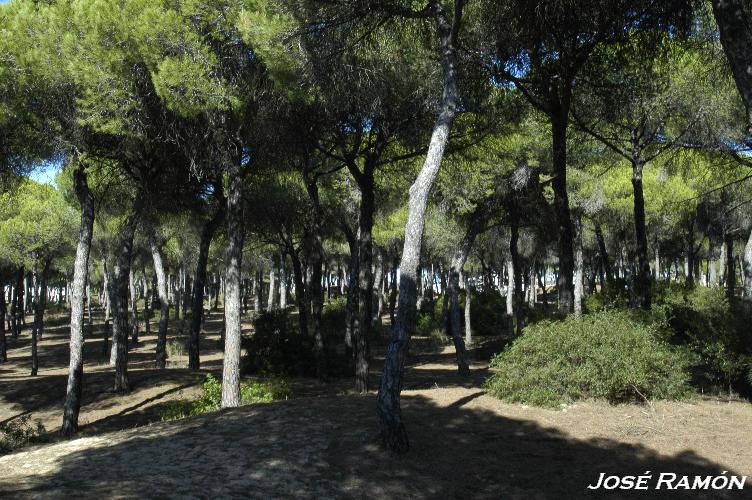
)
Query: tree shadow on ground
[{"x": 327, "y": 447}]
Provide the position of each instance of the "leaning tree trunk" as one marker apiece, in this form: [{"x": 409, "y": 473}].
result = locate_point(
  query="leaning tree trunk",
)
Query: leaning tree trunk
[
  {"x": 393, "y": 433},
  {"x": 39, "y": 305},
  {"x": 231, "y": 365},
  {"x": 735, "y": 29},
  {"x": 164, "y": 303},
  {"x": 80, "y": 271},
  {"x": 199, "y": 282},
  {"x": 120, "y": 311},
  {"x": 747, "y": 267}
]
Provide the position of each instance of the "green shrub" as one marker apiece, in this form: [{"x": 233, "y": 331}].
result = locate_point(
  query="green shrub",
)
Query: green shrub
[
  {"x": 276, "y": 346},
  {"x": 333, "y": 319},
  {"x": 18, "y": 433},
  {"x": 609, "y": 355},
  {"x": 211, "y": 397},
  {"x": 614, "y": 296},
  {"x": 702, "y": 319}
]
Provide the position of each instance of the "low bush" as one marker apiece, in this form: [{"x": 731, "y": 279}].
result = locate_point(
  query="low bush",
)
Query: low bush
[
  {"x": 611, "y": 355},
  {"x": 276, "y": 345},
  {"x": 211, "y": 397},
  {"x": 18, "y": 433},
  {"x": 702, "y": 319}
]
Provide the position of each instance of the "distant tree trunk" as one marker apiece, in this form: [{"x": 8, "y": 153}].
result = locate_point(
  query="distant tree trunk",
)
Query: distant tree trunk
[
  {"x": 80, "y": 272},
  {"x": 712, "y": 262},
  {"x": 531, "y": 297},
  {"x": 272, "y": 286},
  {"x": 722, "y": 265},
  {"x": 351, "y": 308},
  {"x": 519, "y": 300},
  {"x": 164, "y": 303},
  {"x": 282, "y": 282},
  {"x": 378, "y": 297},
  {"x": 730, "y": 271},
  {"x": 17, "y": 309},
  {"x": 735, "y": 29},
  {"x": 258, "y": 298},
  {"x": 199, "y": 280},
  {"x": 510, "y": 291},
  {"x": 316, "y": 262},
  {"x": 578, "y": 265},
  {"x": 468, "y": 300},
  {"x": 147, "y": 303},
  {"x": 747, "y": 267},
  {"x": 689, "y": 264},
  {"x": 3, "y": 340},
  {"x": 133, "y": 308},
  {"x": 235, "y": 236},
  {"x": 300, "y": 292},
  {"x": 40, "y": 301},
  {"x": 393, "y": 290},
  {"x": 604, "y": 254},
  {"x": 393, "y": 433}
]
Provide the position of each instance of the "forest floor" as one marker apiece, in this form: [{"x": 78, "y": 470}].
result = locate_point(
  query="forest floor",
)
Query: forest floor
[{"x": 323, "y": 442}]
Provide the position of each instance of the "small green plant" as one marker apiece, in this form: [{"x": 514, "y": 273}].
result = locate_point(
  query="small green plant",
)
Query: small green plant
[
  {"x": 611, "y": 355},
  {"x": 18, "y": 433},
  {"x": 176, "y": 351},
  {"x": 211, "y": 397}
]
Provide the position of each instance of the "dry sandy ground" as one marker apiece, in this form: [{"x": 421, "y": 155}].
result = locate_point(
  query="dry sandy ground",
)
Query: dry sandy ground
[{"x": 323, "y": 444}]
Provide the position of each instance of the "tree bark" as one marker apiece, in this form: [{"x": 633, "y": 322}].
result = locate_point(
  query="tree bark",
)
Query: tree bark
[
  {"x": 733, "y": 18},
  {"x": 133, "y": 308},
  {"x": 519, "y": 299},
  {"x": 565, "y": 281},
  {"x": 300, "y": 292},
  {"x": 393, "y": 432},
  {"x": 235, "y": 236},
  {"x": 3, "y": 340},
  {"x": 362, "y": 334},
  {"x": 643, "y": 282},
  {"x": 80, "y": 272},
  {"x": 164, "y": 304},
  {"x": 578, "y": 265},
  {"x": 604, "y": 254},
  {"x": 199, "y": 280},
  {"x": 40, "y": 302},
  {"x": 272, "y": 286},
  {"x": 120, "y": 311},
  {"x": 747, "y": 267},
  {"x": 730, "y": 271}
]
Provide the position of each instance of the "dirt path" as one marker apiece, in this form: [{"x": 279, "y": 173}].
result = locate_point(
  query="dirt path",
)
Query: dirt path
[{"x": 465, "y": 444}]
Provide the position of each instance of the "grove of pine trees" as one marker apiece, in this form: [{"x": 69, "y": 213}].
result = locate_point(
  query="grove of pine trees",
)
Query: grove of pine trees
[{"x": 417, "y": 165}]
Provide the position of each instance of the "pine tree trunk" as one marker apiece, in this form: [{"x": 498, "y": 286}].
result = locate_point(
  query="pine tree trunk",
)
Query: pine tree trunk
[
  {"x": 730, "y": 271},
  {"x": 80, "y": 272},
  {"x": 393, "y": 433},
  {"x": 133, "y": 308},
  {"x": 235, "y": 236},
  {"x": 282, "y": 282},
  {"x": 300, "y": 293},
  {"x": 160, "y": 361},
  {"x": 747, "y": 267},
  {"x": 565, "y": 282},
  {"x": 272, "y": 286},
  {"x": 362, "y": 334},
  {"x": 3, "y": 340},
  {"x": 468, "y": 325},
  {"x": 643, "y": 281},
  {"x": 40, "y": 303},
  {"x": 578, "y": 265},
  {"x": 735, "y": 29},
  {"x": 121, "y": 274},
  {"x": 519, "y": 299},
  {"x": 199, "y": 280}
]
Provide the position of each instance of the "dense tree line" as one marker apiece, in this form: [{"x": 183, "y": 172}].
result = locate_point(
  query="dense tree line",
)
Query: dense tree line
[{"x": 278, "y": 155}]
